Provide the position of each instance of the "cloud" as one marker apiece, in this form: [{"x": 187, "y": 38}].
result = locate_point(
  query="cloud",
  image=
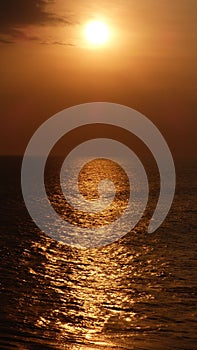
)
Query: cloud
[
  {"x": 26, "y": 12},
  {"x": 5, "y": 41},
  {"x": 60, "y": 43},
  {"x": 16, "y": 16}
]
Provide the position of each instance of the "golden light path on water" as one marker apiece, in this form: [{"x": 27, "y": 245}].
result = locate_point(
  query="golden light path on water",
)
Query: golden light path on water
[
  {"x": 95, "y": 295},
  {"x": 136, "y": 293},
  {"x": 94, "y": 291}
]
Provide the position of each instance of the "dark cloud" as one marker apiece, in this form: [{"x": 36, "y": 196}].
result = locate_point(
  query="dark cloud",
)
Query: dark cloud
[
  {"x": 61, "y": 43},
  {"x": 25, "y": 12},
  {"x": 16, "y": 15},
  {"x": 5, "y": 41}
]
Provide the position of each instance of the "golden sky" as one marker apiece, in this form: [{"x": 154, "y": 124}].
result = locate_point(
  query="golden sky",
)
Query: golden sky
[{"x": 149, "y": 64}]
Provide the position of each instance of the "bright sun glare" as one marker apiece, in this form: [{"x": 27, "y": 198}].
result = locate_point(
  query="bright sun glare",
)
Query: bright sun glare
[{"x": 97, "y": 32}]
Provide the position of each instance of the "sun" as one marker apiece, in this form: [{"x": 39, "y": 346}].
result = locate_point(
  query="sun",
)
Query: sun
[{"x": 97, "y": 32}]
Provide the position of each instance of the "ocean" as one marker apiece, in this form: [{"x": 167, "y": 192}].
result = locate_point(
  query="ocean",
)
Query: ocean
[{"x": 139, "y": 292}]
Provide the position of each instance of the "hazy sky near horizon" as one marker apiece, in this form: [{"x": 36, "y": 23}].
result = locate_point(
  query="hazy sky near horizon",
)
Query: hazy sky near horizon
[{"x": 149, "y": 64}]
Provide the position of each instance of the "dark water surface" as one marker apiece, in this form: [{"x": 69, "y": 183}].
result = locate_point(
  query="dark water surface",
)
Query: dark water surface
[{"x": 137, "y": 293}]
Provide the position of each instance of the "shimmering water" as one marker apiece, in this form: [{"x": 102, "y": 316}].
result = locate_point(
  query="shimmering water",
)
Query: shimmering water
[{"x": 137, "y": 293}]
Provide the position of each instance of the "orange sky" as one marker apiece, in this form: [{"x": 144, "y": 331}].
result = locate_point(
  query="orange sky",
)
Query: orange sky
[{"x": 149, "y": 64}]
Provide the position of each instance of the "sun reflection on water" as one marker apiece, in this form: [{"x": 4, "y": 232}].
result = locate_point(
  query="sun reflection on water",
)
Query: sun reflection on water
[
  {"x": 136, "y": 293},
  {"x": 96, "y": 293}
]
